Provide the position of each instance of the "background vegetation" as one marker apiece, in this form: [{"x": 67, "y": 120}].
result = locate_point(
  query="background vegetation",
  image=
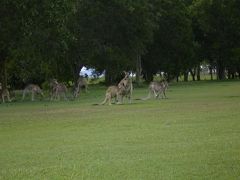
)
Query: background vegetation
[{"x": 42, "y": 40}]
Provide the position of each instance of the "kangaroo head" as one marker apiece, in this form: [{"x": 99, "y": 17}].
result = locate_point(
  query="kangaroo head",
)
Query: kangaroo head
[
  {"x": 125, "y": 81},
  {"x": 53, "y": 82}
]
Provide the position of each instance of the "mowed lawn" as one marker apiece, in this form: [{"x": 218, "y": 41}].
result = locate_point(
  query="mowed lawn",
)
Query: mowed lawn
[{"x": 194, "y": 134}]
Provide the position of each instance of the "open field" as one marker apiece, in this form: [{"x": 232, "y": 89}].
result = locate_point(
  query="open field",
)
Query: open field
[{"x": 195, "y": 134}]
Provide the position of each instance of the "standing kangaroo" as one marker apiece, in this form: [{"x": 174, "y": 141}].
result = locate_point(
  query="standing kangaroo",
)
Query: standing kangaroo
[
  {"x": 4, "y": 93},
  {"x": 33, "y": 89},
  {"x": 123, "y": 89},
  {"x": 157, "y": 88},
  {"x": 57, "y": 90},
  {"x": 81, "y": 84}
]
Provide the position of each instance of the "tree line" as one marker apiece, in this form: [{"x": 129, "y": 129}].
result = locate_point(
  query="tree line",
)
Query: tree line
[{"x": 45, "y": 39}]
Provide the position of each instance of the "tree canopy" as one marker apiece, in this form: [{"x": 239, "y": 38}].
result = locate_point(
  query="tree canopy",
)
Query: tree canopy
[{"x": 45, "y": 39}]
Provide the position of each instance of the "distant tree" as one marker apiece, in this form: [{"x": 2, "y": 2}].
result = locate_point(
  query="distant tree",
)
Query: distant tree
[
  {"x": 114, "y": 33},
  {"x": 217, "y": 31},
  {"x": 171, "y": 51},
  {"x": 44, "y": 39},
  {"x": 10, "y": 32},
  {"x": 34, "y": 39}
]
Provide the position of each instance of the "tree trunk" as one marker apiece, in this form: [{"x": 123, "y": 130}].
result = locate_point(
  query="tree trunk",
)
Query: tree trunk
[
  {"x": 167, "y": 76},
  {"x": 220, "y": 71},
  {"x": 138, "y": 69},
  {"x": 211, "y": 72},
  {"x": 108, "y": 77},
  {"x": 148, "y": 76},
  {"x": 77, "y": 68},
  {"x": 229, "y": 74},
  {"x": 112, "y": 76},
  {"x": 3, "y": 73},
  {"x": 186, "y": 76},
  {"x": 198, "y": 73},
  {"x": 238, "y": 71},
  {"x": 193, "y": 73}
]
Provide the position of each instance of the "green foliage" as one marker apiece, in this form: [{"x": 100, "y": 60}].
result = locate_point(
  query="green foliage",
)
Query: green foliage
[
  {"x": 113, "y": 32},
  {"x": 217, "y": 30},
  {"x": 35, "y": 36},
  {"x": 172, "y": 50},
  {"x": 42, "y": 40}
]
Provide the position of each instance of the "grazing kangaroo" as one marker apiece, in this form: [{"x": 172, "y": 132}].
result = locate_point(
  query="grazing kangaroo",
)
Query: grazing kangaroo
[
  {"x": 157, "y": 88},
  {"x": 4, "y": 93},
  {"x": 33, "y": 89},
  {"x": 123, "y": 89},
  {"x": 81, "y": 84},
  {"x": 57, "y": 89}
]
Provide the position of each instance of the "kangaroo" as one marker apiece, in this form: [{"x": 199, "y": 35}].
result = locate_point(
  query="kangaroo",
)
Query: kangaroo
[
  {"x": 33, "y": 89},
  {"x": 112, "y": 92},
  {"x": 123, "y": 89},
  {"x": 157, "y": 88},
  {"x": 81, "y": 84},
  {"x": 4, "y": 93},
  {"x": 57, "y": 89}
]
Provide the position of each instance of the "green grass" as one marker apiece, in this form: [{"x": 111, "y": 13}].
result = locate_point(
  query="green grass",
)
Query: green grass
[{"x": 194, "y": 134}]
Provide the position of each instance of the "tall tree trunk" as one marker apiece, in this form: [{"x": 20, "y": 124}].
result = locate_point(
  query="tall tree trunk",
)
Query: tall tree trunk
[
  {"x": 231, "y": 73},
  {"x": 193, "y": 73},
  {"x": 108, "y": 77},
  {"x": 228, "y": 74},
  {"x": 211, "y": 72},
  {"x": 3, "y": 73},
  {"x": 167, "y": 76},
  {"x": 198, "y": 73},
  {"x": 238, "y": 71},
  {"x": 148, "y": 76},
  {"x": 185, "y": 76},
  {"x": 138, "y": 68},
  {"x": 220, "y": 70},
  {"x": 76, "y": 70},
  {"x": 112, "y": 76}
]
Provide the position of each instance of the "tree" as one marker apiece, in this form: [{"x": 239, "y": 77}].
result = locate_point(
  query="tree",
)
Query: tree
[
  {"x": 218, "y": 24},
  {"x": 9, "y": 34},
  {"x": 114, "y": 33},
  {"x": 34, "y": 39},
  {"x": 171, "y": 51}
]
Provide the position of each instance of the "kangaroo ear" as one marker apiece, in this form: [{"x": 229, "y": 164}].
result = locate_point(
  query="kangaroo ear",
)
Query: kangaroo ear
[{"x": 125, "y": 73}]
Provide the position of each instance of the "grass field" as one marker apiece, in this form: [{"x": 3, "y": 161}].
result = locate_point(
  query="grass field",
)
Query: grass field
[{"x": 194, "y": 134}]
